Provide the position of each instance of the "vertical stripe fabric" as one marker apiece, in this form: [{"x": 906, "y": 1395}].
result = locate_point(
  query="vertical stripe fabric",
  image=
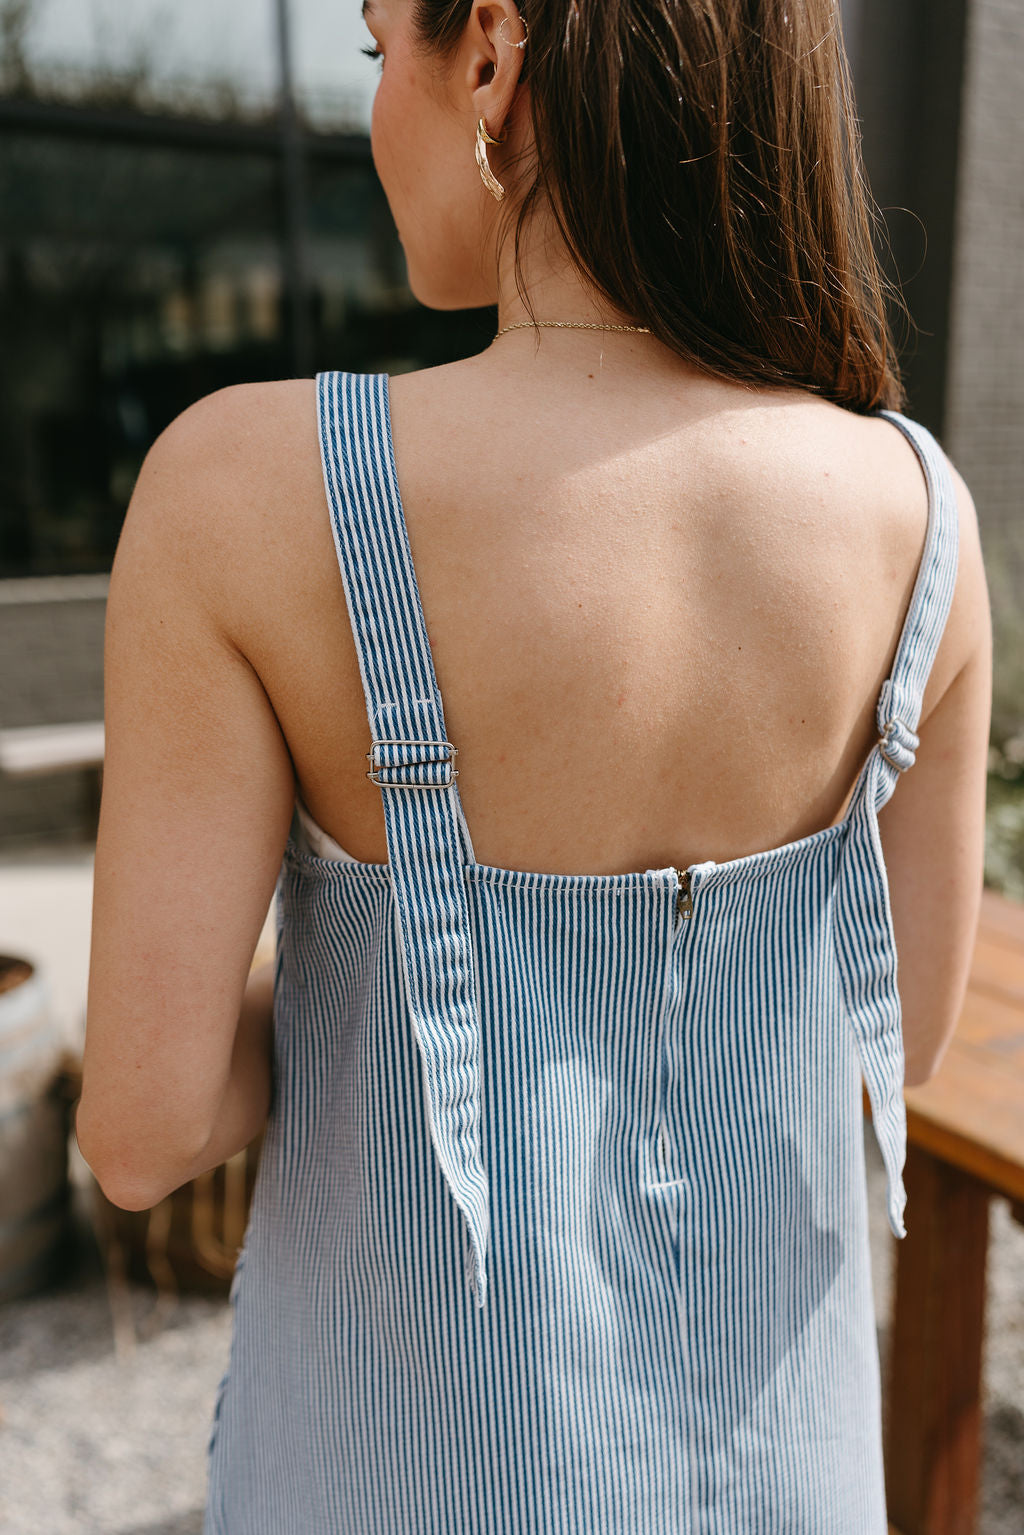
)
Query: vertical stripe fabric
[
  {"x": 560, "y": 1224},
  {"x": 415, "y": 768},
  {"x": 866, "y": 942}
]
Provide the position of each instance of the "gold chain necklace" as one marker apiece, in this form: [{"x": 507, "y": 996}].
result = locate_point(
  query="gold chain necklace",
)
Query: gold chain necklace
[{"x": 570, "y": 325}]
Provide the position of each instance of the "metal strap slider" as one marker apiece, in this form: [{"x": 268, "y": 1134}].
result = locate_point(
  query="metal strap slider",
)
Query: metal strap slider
[{"x": 409, "y": 764}]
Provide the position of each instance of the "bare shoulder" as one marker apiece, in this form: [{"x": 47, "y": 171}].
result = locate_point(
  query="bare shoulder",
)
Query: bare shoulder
[
  {"x": 888, "y": 467},
  {"x": 238, "y": 475},
  {"x": 967, "y": 636},
  {"x": 966, "y": 648},
  {"x": 240, "y": 430}
]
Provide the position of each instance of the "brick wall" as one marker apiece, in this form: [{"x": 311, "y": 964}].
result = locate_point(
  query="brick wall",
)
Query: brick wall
[{"x": 984, "y": 427}]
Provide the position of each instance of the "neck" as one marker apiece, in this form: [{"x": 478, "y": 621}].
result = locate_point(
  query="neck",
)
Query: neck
[{"x": 556, "y": 290}]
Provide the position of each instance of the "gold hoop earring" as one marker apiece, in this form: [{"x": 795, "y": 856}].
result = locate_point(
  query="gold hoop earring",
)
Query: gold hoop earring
[
  {"x": 483, "y": 138},
  {"x": 522, "y": 43}
]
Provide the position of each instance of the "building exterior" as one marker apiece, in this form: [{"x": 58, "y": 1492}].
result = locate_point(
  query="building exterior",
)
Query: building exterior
[
  {"x": 161, "y": 237},
  {"x": 984, "y": 404}
]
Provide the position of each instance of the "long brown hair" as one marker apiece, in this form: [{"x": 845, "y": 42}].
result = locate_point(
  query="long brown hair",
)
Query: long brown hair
[{"x": 701, "y": 159}]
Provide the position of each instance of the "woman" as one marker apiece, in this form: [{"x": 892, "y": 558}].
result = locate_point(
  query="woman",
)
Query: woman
[{"x": 561, "y": 1215}]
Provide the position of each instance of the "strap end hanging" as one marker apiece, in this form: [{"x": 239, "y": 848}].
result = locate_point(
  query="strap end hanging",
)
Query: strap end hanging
[{"x": 476, "y": 1269}]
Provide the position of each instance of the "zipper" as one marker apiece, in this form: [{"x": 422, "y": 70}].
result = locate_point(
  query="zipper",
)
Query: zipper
[{"x": 684, "y": 900}]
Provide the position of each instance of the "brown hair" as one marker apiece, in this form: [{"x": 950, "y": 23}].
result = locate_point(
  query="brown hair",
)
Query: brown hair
[{"x": 701, "y": 159}]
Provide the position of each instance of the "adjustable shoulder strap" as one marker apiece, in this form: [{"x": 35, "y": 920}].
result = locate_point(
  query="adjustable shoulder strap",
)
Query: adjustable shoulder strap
[
  {"x": 865, "y": 941},
  {"x": 899, "y": 702},
  {"x": 413, "y": 762}
]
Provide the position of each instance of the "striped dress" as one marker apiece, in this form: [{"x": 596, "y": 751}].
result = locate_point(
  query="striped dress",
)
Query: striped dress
[{"x": 560, "y": 1226}]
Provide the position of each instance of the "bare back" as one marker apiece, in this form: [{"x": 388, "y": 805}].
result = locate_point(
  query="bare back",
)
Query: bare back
[{"x": 660, "y": 617}]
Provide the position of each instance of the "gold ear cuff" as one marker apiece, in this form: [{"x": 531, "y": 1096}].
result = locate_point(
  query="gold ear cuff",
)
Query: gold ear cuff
[{"x": 491, "y": 182}]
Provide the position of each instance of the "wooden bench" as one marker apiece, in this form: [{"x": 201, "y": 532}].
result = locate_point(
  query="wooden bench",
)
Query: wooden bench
[
  {"x": 965, "y": 1143},
  {"x": 51, "y": 748},
  {"x": 32, "y": 750}
]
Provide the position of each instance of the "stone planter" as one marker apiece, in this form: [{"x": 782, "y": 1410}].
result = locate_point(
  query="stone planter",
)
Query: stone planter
[{"x": 36, "y": 1217}]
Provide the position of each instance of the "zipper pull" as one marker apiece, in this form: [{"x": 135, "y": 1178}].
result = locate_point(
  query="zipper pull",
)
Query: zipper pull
[{"x": 684, "y": 901}]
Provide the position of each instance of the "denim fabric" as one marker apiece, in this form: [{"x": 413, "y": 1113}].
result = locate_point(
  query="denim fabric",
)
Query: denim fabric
[{"x": 560, "y": 1226}]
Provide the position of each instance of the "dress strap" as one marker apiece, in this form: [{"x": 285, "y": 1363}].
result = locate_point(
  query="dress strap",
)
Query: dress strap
[
  {"x": 865, "y": 940},
  {"x": 413, "y": 762},
  {"x": 899, "y": 702}
]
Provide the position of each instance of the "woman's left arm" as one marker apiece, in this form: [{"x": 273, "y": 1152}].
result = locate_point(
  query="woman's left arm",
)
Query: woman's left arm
[{"x": 198, "y": 793}]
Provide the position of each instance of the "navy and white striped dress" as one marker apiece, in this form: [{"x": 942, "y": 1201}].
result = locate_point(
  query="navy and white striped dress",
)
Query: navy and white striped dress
[{"x": 560, "y": 1226}]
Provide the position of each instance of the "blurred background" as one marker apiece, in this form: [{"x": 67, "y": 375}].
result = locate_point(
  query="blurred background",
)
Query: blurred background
[{"x": 187, "y": 200}]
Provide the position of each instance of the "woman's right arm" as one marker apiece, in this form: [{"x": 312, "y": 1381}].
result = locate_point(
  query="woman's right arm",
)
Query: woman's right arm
[{"x": 933, "y": 827}]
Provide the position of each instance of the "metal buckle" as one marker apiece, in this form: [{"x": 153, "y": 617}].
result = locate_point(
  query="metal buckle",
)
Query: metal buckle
[{"x": 394, "y": 767}]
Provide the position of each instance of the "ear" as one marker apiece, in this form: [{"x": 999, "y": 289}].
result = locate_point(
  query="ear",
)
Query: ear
[{"x": 492, "y": 63}]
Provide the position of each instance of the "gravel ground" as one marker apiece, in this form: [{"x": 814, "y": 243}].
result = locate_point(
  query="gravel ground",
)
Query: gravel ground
[{"x": 105, "y": 1409}]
